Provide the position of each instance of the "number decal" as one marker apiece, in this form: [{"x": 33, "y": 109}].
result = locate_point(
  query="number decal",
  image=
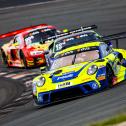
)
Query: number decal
[
  {"x": 59, "y": 46},
  {"x": 63, "y": 85}
]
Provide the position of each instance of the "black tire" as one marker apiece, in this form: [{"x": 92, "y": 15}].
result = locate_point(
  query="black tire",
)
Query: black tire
[
  {"x": 4, "y": 58},
  {"x": 109, "y": 75},
  {"x": 22, "y": 56}
]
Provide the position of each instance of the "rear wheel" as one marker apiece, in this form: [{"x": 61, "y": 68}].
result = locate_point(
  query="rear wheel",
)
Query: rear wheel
[
  {"x": 22, "y": 56},
  {"x": 109, "y": 75}
]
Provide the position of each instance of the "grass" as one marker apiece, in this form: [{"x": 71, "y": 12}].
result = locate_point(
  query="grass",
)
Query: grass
[{"x": 112, "y": 121}]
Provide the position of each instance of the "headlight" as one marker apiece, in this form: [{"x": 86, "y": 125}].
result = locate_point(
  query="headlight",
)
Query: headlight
[
  {"x": 92, "y": 69},
  {"x": 40, "y": 82}
]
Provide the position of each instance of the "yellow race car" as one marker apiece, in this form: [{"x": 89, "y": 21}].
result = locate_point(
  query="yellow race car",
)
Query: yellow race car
[{"x": 82, "y": 69}]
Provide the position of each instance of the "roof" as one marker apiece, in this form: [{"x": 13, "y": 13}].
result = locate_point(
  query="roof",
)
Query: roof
[
  {"x": 40, "y": 27},
  {"x": 24, "y": 30}
]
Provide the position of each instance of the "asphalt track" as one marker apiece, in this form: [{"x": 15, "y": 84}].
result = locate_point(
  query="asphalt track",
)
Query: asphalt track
[
  {"x": 8, "y": 3},
  {"x": 110, "y": 17},
  {"x": 6, "y": 88}
]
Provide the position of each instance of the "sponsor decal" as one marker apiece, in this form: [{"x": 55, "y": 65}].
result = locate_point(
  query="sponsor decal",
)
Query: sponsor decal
[
  {"x": 65, "y": 76},
  {"x": 102, "y": 77},
  {"x": 36, "y": 32},
  {"x": 86, "y": 79}
]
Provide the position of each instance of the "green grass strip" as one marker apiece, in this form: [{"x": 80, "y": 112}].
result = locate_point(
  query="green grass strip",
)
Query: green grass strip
[{"x": 112, "y": 121}]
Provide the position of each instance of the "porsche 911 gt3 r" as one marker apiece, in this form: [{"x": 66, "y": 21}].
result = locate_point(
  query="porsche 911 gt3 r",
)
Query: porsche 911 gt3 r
[
  {"x": 27, "y": 47},
  {"x": 81, "y": 69}
]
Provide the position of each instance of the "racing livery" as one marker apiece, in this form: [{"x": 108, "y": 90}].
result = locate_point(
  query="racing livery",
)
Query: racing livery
[
  {"x": 27, "y": 47},
  {"x": 81, "y": 69}
]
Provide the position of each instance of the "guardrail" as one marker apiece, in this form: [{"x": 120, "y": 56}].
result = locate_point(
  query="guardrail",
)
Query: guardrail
[{"x": 116, "y": 37}]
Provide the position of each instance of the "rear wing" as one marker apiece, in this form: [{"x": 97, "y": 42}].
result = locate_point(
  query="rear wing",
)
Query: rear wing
[
  {"x": 9, "y": 34},
  {"x": 116, "y": 37},
  {"x": 81, "y": 29}
]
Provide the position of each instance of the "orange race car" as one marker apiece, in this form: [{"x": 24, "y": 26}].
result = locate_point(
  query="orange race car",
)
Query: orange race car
[{"x": 26, "y": 48}]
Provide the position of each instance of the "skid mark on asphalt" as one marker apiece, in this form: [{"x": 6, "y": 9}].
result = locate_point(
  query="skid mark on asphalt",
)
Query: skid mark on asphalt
[{"x": 26, "y": 79}]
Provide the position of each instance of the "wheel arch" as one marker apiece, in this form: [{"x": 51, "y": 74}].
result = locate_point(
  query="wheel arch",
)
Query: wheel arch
[{"x": 21, "y": 53}]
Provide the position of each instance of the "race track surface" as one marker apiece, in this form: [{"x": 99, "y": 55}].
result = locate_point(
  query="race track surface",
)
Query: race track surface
[
  {"x": 110, "y": 18},
  {"x": 9, "y": 90},
  {"x": 13, "y": 3}
]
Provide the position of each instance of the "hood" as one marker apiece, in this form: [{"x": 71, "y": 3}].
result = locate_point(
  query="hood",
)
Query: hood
[
  {"x": 67, "y": 73},
  {"x": 39, "y": 46},
  {"x": 37, "y": 49}
]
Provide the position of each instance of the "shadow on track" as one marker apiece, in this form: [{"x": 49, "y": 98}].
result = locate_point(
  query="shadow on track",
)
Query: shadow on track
[{"x": 9, "y": 90}]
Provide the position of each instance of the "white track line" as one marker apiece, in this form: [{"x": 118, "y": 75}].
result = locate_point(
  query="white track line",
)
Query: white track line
[
  {"x": 10, "y": 75},
  {"x": 3, "y": 73},
  {"x": 21, "y": 75}
]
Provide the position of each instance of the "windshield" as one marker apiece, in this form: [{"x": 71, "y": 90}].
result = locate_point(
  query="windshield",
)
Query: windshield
[
  {"x": 75, "y": 40},
  {"x": 39, "y": 36},
  {"x": 75, "y": 58}
]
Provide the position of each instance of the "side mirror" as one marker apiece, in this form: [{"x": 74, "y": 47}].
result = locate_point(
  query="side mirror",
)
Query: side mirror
[
  {"x": 43, "y": 69},
  {"x": 108, "y": 43}
]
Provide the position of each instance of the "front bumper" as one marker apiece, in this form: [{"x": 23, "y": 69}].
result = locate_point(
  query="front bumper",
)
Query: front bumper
[
  {"x": 36, "y": 61},
  {"x": 69, "y": 92}
]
